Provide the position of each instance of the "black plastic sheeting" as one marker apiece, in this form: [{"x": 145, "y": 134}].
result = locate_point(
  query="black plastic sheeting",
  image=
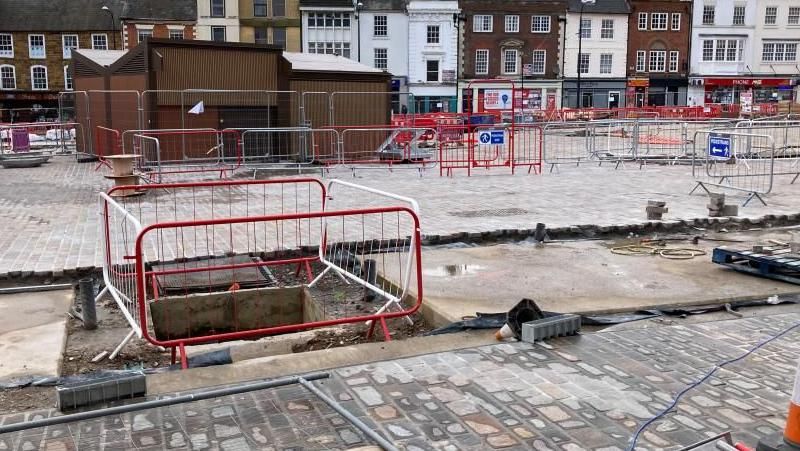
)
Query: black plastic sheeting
[
  {"x": 497, "y": 320},
  {"x": 221, "y": 357}
]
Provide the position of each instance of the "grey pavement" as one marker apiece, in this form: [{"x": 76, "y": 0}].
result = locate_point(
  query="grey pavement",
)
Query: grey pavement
[
  {"x": 51, "y": 215},
  {"x": 585, "y": 392}
]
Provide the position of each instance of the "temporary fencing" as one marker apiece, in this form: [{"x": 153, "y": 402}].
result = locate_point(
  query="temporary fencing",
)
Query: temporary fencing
[
  {"x": 486, "y": 147},
  {"x": 734, "y": 160},
  {"x": 370, "y": 147},
  {"x": 282, "y": 148},
  {"x": 785, "y": 133},
  {"x": 196, "y": 263},
  {"x": 40, "y": 137}
]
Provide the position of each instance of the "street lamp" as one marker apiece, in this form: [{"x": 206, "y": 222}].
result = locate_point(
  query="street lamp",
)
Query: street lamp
[
  {"x": 580, "y": 46},
  {"x": 359, "y": 6},
  {"x": 113, "y": 25},
  {"x": 457, "y": 19}
]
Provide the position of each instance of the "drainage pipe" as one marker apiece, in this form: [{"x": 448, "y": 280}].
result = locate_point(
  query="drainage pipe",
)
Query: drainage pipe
[
  {"x": 192, "y": 397},
  {"x": 382, "y": 442}
]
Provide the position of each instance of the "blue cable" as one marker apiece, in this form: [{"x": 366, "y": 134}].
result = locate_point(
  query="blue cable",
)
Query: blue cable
[{"x": 703, "y": 379}]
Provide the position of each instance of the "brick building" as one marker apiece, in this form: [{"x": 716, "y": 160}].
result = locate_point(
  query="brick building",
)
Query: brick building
[
  {"x": 517, "y": 40},
  {"x": 173, "y": 19},
  {"x": 36, "y": 41},
  {"x": 659, "y": 35},
  {"x": 275, "y": 22}
]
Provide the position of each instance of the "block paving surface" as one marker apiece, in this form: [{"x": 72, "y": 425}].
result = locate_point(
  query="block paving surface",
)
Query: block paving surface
[
  {"x": 585, "y": 392},
  {"x": 52, "y": 220}
]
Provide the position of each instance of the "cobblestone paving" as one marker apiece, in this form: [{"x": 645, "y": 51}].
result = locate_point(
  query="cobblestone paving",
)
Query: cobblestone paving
[
  {"x": 586, "y": 392},
  {"x": 50, "y": 215}
]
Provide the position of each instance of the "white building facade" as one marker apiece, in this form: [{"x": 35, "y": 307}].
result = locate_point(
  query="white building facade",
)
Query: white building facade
[
  {"x": 432, "y": 54},
  {"x": 218, "y": 20},
  {"x": 601, "y": 34},
  {"x": 329, "y": 27},
  {"x": 775, "y": 50},
  {"x": 383, "y": 27}
]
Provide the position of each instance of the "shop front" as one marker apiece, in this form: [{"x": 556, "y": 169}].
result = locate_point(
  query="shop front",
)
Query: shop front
[
  {"x": 524, "y": 98},
  {"x": 764, "y": 90},
  {"x": 595, "y": 93}
]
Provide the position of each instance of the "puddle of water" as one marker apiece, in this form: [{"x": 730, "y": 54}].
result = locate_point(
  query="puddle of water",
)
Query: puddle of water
[{"x": 453, "y": 270}]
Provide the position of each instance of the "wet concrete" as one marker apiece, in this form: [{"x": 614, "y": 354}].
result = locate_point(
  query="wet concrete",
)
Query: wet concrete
[
  {"x": 585, "y": 276},
  {"x": 32, "y": 333}
]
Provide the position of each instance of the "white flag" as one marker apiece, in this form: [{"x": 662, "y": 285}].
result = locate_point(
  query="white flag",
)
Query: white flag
[{"x": 198, "y": 109}]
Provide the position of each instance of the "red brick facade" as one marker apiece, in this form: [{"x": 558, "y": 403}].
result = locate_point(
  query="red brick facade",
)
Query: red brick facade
[
  {"x": 525, "y": 41},
  {"x": 159, "y": 30},
  {"x": 646, "y": 34}
]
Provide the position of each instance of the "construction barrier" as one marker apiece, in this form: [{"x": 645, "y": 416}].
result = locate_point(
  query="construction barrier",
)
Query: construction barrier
[
  {"x": 785, "y": 133},
  {"x": 61, "y": 137},
  {"x": 733, "y": 160},
  {"x": 389, "y": 147},
  {"x": 196, "y": 263}
]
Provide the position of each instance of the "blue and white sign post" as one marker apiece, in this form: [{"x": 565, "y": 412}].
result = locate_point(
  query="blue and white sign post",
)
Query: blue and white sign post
[
  {"x": 492, "y": 137},
  {"x": 719, "y": 146}
]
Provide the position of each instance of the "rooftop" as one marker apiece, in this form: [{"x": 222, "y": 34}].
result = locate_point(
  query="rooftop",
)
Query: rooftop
[
  {"x": 600, "y": 7},
  {"x": 328, "y": 63},
  {"x": 102, "y": 57},
  {"x": 57, "y": 15}
]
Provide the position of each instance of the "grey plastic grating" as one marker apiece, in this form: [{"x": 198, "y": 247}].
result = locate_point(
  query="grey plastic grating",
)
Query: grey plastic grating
[
  {"x": 550, "y": 327},
  {"x": 103, "y": 390}
]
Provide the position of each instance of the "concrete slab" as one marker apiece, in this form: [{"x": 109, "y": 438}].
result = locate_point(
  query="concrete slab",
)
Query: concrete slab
[
  {"x": 33, "y": 332},
  {"x": 583, "y": 276}
]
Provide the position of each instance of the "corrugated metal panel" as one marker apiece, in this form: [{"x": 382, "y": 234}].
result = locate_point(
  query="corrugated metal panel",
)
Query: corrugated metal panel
[{"x": 212, "y": 68}]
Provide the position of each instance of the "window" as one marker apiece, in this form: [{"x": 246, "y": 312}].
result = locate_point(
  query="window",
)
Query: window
[
  {"x": 708, "y": 14},
  {"x": 432, "y": 70},
  {"x": 738, "y": 14},
  {"x": 99, "y": 42},
  {"x": 583, "y": 63},
  {"x": 708, "y": 50},
  {"x": 540, "y": 24},
  {"x": 218, "y": 34},
  {"x": 510, "y": 58},
  {"x": 794, "y": 16},
  {"x": 658, "y": 60},
  {"x": 36, "y": 46},
  {"x": 643, "y": 21},
  {"x": 512, "y": 24},
  {"x": 381, "y": 59},
  {"x": 587, "y": 100},
  {"x": 68, "y": 42},
  {"x": 279, "y": 37},
  {"x": 261, "y": 36},
  {"x": 8, "y": 77},
  {"x": 719, "y": 52},
  {"x": 606, "y": 61},
  {"x": 144, "y": 34},
  {"x": 539, "y": 60},
  {"x": 674, "y": 56},
  {"x": 380, "y": 26},
  {"x": 676, "y": 21},
  {"x": 38, "y": 78},
  {"x": 260, "y": 8},
  {"x": 433, "y": 34},
  {"x": 607, "y": 29},
  {"x": 641, "y": 57},
  {"x": 482, "y": 62},
  {"x": 482, "y": 24},
  {"x": 330, "y": 48},
  {"x": 771, "y": 15},
  {"x": 67, "y": 79},
  {"x": 176, "y": 34},
  {"x": 659, "y": 21},
  {"x": 279, "y": 8},
  {"x": 586, "y": 29},
  {"x": 779, "y": 51},
  {"x": 217, "y": 8},
  {"x": 732, "y": 55},
  {"x": 6, "y": 45},
  {"x": 329, "y": 20}
]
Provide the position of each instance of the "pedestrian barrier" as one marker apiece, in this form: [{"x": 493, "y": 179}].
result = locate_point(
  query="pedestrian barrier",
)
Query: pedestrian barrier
[
  {"x": 59, "y": 137},
  {"x": 785, "y": 133},
  {"x": 177, "y": 152},
  {"x": 193, "y": 263},
  {"x": 734, "y": 160},
  {"x": 388, "y": 147},
  {"x": 566, "y": 143}
]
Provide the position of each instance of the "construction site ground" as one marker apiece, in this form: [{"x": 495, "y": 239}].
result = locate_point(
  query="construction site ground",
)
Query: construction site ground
[{"x": 585, "y": 392}]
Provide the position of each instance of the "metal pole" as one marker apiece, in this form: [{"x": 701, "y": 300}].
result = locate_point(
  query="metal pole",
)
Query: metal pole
[
  {"x": 382, "y": 442},
  {"x": 235, "y": 390},
  {"x": 36, "y": 288},
  {"x": 457, "y": 19},
  {"x": 88, "y": 307},
  {"x": 580, "y": 49}
]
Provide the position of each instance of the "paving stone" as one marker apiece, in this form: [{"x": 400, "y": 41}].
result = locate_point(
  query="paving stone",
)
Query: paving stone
[
  {"x": 554, "y": 413},
  {"x": 501, "y": 441}
]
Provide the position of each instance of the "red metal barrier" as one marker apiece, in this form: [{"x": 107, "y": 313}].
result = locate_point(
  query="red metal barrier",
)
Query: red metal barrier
[
  {"x": 107, "y": 142},
  {"x": 203, "y": 262}
]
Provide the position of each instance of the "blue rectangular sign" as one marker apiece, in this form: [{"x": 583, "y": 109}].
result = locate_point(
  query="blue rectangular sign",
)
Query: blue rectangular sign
[
  {"x": 492, "y": 137},
  {"x": 719, "y": 146}
]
